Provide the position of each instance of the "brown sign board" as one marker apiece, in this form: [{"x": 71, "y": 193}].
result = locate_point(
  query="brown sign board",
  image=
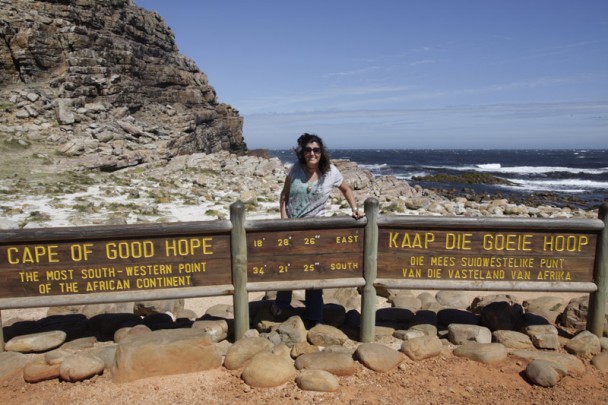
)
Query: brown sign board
[
  {"x": 112, "y": 265},
  {"x": 486, "y": 255},
  {"x": 83, "y": 264},
  {"x": 305, "y": 255}
]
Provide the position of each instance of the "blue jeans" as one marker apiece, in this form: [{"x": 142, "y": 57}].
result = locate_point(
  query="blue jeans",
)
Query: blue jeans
[{"x": 314, "y": 303}]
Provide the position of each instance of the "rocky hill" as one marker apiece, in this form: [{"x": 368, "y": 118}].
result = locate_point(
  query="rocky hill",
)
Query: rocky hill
[{"x": 102, "y": 83}]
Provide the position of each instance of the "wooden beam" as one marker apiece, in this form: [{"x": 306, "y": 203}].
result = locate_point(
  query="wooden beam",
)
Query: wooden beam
[
  {"x": 70, "y": 233},
  {"x": 471, "y": 285},
  {"x": 125, "y": 296},
  {"x": 306, "y": 284},
  {"x": 498, "y": 223}
]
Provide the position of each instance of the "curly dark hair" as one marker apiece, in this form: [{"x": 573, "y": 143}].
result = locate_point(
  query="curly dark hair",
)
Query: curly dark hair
[{"x": 305, "y": 139}]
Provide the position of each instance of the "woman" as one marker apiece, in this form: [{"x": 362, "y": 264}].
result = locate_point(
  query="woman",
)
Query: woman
[{"x": 307, "y": 188}]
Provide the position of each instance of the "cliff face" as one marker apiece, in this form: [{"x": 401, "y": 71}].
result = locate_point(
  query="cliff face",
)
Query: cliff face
[{"x": 104, "y": 81}]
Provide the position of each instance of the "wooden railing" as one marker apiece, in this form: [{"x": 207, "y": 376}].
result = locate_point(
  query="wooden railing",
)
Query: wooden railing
[{"x": 100, "y": 264}]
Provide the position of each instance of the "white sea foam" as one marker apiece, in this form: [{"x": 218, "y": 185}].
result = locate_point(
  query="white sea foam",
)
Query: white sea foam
[
  {"x": 373, "y": 167},
  {"x": 411, "y": 175},
  {"x": 562, "y": 186},
  {"x": 526, "y": 169},
  {"x": 490, "y": 166}
]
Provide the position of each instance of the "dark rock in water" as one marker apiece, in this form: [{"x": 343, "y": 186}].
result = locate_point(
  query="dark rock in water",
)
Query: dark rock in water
[
  {"x": 534, "y": 199},
  {"x": 562, "y": 201},
  {"x": 464, "y": 178}
]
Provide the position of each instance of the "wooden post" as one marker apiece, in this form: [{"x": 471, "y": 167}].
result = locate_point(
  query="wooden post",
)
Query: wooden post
[
  {"x": 597, "y": 300},
  {"x": 1, "y": 333},
  {"x": 370, "y": 270},
  {"x": 238, "y": 249}
]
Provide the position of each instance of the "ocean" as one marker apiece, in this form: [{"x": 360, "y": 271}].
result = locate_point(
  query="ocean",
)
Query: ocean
[{"x": 576, "y": 178}]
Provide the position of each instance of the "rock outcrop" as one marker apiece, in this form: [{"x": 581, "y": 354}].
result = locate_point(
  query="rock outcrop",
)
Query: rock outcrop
[{"x": 103, "y": 81}]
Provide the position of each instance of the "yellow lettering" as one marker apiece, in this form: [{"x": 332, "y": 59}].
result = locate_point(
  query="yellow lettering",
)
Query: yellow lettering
[
  {"x": 32, "y": 255},
  {"x": 415, "y": 240},
  {"x": 108, "y": 285},
  {"x": 59, "y": 275},
  {"x": 346, "y": 239},
  {"x": 392, "y": 240},
  {"x": 129, "y": 250},
  {"x": 434, "y": 273},
  {"x": 69, "y": 287},
  {"x": 313, "y": 240},
  {"x": 508, "y": 242},
  {"x": 81, "y": 252},
  {"x": 411, "y": 273},
  {"x": 28, "y": 276},
  {"x": 150, "y": 269},
  {"x": 344, "y": 266},
  {"x": 163, "y": 282},
  {"x": 553, "y": 275},
  {"x": 406, "y": 242},
  {"x": 189, "y": 247},
  {"x": 565, "y": 243},
  {"x": 459, "y": 241},
  {"x": 552, "y": 263},
  {"x": 494, "y": 261},
  {"x": 444, "y": 261},
  {"x": 521, "y": 275},
  {"x": 9, "y": 253},
  {"x": 200, "y": 267},
  {"x": 100, "y": 272},
  {"x": 476, "y": 274}
]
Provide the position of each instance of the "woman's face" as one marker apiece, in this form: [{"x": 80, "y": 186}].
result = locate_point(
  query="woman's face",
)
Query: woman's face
[{"x": 312, "y": 153}]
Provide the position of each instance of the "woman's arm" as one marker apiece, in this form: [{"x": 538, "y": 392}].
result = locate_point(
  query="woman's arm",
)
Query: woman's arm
[
  {"x": 284, "y": 199},
  {"x": 350, "y": 198}
]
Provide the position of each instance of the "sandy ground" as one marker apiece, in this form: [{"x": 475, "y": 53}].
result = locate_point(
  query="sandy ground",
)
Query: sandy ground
[{"x": 445, "y": 379}]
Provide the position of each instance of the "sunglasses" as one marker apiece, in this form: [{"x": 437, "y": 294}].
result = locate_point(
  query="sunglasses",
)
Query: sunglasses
[{"x": 313, "y": 150}]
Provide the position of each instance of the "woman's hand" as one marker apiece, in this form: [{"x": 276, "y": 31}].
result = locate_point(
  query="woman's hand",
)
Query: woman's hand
[
  {"x": 357, "y": 214},
  {"x": 350, "y": 197}
]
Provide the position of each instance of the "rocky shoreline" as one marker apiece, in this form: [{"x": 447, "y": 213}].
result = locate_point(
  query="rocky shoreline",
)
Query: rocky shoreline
[
  {"x": 532, "y": 199},
  {"x": 202, "y": 187}
]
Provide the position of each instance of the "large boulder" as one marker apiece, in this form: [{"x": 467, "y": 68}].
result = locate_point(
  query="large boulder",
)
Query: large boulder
[
  {"x": 268, "y": 370},
  {"x": 164, "y": 352}
]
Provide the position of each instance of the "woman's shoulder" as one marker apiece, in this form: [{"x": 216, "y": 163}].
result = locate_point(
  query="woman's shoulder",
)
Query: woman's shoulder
[
  {"x": 333, "y": 168},
  {"x": 334, "y": 173}
]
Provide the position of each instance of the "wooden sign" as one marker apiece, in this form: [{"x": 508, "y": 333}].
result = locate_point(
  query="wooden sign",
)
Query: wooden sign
[
  {"x": 486, "y": 255},
  {"x": 111, "y": 265},
  {"x": 305, "y": 255}
]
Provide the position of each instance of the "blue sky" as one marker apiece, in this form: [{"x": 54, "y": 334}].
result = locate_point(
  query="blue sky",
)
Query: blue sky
[{"x": 404, "y": 74}]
